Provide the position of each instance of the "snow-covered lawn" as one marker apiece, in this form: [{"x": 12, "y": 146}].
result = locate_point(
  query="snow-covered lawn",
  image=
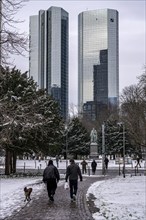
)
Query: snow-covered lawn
[
  {"x": 120, "y": 198},
  {"x": 12, "y": 194}
]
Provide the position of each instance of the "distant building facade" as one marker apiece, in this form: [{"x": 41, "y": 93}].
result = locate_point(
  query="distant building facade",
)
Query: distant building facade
[
  {"x": 98, "y": 60},
  {"x": 49, "y": 53}
]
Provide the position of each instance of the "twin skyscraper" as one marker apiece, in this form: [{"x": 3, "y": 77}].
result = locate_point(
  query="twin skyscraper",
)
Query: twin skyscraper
[{"x": 98, "y": 58}]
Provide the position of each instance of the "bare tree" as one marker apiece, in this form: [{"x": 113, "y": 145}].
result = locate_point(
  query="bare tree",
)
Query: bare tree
[
  {"x": 11, "y": 41},
  {"x": 142, "y": 83},
  {"x": 73, "y": 110},
  {"x": 133, "y": 107}
]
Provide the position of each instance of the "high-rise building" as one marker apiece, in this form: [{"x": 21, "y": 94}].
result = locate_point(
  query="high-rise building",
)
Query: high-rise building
[
  {"x": 49, "y": 53},
  {"x": 33, "y": 45},
  {"x": 98, "y": 59}
]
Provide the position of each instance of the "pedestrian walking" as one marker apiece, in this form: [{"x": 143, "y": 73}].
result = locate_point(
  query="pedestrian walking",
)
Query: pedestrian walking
[
  {"x": 93, "y": 166},
  {"x": 57, "y": 161},
  {"x": 60, "y": 158},
  {"x": 106, "y": 161},
  {"x": 138, "y": 162},
  {"x": 51, "y": 177},
  {"x": 84, "y": 164},
  {"x": 72, "y": 172}
]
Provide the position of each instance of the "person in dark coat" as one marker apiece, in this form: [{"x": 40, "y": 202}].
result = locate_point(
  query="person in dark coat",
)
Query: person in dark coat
[
  {"x": 57, "y": 161},
  {"x": 106, "y": 162},
  {"x": 84, "y": 164},
  {"x": 51, "y": 177},
  {"x": 93, "y": 165},
  {"x": 72, "y": 172},
  {"x": 138, "y": 162}
]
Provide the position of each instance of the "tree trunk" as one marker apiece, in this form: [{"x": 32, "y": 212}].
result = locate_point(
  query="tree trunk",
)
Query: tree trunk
[
  {"x": 10, "y": 164},
  {"x": 14, "y": 162},
  {"x": 7, "y": 163}
]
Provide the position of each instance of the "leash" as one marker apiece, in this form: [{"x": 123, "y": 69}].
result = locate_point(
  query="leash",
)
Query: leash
[{"x": 13, "y": 215}]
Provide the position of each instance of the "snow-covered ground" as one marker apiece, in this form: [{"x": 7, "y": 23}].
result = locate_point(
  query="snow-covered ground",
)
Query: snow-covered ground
[
  {"x": 118, "y": 198},
  {"x": 12, "y": 194}
]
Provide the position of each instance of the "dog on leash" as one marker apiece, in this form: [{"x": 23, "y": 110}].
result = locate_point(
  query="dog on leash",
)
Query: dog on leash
[{"x": 27, "y": 193}]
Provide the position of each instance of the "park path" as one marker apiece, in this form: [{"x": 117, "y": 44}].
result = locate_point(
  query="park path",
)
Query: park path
[{"x": 62, "y": 208}]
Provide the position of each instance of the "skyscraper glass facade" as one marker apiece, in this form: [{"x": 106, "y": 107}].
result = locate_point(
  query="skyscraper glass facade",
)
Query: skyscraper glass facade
[
  {"x": 98, "y": 57},
  {"x": 53, "y": 54},
  {"x": 33, "y": 44}
]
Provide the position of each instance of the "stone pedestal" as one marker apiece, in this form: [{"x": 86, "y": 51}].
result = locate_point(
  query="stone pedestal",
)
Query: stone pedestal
[{"x": 93, "y": 150}]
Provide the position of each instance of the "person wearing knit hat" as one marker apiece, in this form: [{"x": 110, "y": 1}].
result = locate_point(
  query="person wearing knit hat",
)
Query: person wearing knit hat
[
  {"x": 73, "y": 171},
  {"x": 51, "y": 177}
]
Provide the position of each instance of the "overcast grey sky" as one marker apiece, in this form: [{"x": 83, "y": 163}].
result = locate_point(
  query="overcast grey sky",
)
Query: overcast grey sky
[{"x": 131, "y": 36}]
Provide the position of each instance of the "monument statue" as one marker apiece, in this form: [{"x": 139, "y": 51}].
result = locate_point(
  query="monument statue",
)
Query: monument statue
[{"x": 93, "y": 136}]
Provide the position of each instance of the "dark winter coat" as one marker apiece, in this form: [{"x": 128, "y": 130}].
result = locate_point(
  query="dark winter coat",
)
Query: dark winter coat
[
  {"x": 84, "y": 163},
  {"x": 51, "y": 172},
  {"x": 94, "y": 165},
  {"x": 106, "y": 160},
  {"x": 73, "y": 171}
]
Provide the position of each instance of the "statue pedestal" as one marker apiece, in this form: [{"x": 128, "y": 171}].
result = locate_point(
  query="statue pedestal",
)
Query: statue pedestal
[{"x": 93, "y": 150}]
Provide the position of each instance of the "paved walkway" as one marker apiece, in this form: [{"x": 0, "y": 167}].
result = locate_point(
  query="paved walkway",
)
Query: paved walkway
[{"x": 62, "y": 208}]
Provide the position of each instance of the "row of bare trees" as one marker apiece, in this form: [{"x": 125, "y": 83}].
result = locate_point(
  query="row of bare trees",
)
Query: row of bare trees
[{"x": 133, "y": 111}]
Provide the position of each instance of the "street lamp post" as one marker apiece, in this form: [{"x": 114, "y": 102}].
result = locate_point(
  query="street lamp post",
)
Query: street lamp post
[
  {"x": 103, "y": 150},
  {"x": 123, "y": 150}
]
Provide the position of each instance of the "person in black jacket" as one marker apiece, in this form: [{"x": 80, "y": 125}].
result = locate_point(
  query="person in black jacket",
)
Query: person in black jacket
[
  {"x": 84, "y": 164},
  {"x": 73, "y": 171},
  {"x": 93, "y": 165},
  {"x": 138, "y": 162},
  {"x": 106, "y": 161},
  {"x": 51, "y": 177}
]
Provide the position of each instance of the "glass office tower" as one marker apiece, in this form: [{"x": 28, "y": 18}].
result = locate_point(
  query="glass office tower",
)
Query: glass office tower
[
  {"x": 53, "y": 54},
  {"x": 98, "y": 57},
  {"x": 33, "y": 45}
]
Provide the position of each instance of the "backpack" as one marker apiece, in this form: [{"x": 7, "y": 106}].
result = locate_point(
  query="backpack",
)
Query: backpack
[{"x": 50, "y": 173}]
